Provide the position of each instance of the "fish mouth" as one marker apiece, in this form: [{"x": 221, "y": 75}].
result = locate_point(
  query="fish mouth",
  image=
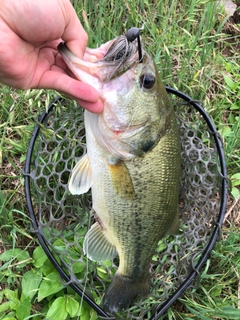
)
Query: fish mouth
[
  {"x": 121, "y": 56},
  {"x": 84, "y": 71},
  {"x": 103, "y": 64}
]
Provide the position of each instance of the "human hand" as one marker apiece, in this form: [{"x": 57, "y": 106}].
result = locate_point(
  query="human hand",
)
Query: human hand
[{"x": 30, "y": 32}]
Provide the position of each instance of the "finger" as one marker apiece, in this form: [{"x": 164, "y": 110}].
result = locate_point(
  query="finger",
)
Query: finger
[
  {"x": 95, "y": 107},
  {"x": 56, "y": 80},
  {"x": 83, "y": 93},
  {"x": 74, "y": 34}
]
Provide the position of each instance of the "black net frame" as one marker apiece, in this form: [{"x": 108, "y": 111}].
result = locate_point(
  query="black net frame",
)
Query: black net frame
[{"x": 223, "y": 190}]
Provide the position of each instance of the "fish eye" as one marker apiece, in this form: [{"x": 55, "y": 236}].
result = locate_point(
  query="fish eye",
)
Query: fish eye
[{"x": 147, "y": 81}]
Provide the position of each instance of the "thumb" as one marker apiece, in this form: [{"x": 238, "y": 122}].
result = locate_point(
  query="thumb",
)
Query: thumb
[{"x": 74, "y": 35}]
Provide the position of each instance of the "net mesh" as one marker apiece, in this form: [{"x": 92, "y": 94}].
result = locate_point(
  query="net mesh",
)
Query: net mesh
[{"x": 63, "y": 219}]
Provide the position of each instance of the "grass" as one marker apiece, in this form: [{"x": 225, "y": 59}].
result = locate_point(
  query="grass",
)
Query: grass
[{"x": 194, "y": 55}]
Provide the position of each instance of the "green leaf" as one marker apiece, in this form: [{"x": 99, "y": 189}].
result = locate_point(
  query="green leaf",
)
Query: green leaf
[
  {"x": 23, "y": 309},
  {"x": 50, "y": 285},
  {"x": 107, "y": 263},
  {"x": 229, "y": 81},
  {"x": 85, "y": 315},
  {"x": 235, "y": 178},
  {"x": 93, "y": 315},
  {"x": 227, "y": 312},
  {"x": 6, "y": 306},
  {"x": 72, "y": 306},
  {"x": 48, "y": 268},
  {"x": 200, "y": 315},
  {"x": 11, "y": 295},
  {"x": 77, "y": 267},
  {"x": 226, "y": 131},
  {"x": 235, "y": 192},
  {"x": 216, "y": 291},
  {"x": 102, "y": 273},
  {"x": 162, "y": 247},
  {"x": 30, "y": 283},
  {"x": 19, "y": 254},
  {"x": 58, "y": 309},
  {"x": 235, "y": 106},
  {"x": 231, "y": 118},
  {"x": 39, "y": 257}
]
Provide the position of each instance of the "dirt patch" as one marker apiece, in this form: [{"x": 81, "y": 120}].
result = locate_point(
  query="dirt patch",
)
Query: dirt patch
[{"x": 232, "y": 26}]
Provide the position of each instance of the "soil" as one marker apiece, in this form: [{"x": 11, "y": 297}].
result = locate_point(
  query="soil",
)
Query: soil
[{"x": 232, "y": 25}]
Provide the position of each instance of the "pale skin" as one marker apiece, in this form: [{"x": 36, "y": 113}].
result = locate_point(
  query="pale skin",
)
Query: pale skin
[{"x": 29, "y": 34}]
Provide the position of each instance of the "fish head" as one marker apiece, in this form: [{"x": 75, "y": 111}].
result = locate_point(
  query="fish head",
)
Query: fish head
[{"x": 136, "y": 105}]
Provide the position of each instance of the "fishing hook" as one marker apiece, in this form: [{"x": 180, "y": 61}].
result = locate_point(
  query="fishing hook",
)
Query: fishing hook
[{"x": 131, "y": 35}]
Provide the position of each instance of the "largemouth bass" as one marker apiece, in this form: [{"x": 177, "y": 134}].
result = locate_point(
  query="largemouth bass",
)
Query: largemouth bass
[{"x": 132, "y": 164}]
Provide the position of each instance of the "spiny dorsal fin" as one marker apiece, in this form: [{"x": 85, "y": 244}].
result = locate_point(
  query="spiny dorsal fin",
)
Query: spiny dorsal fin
[
  {"x": 81, "y": 177},
  {"x": 97, "y": 246}
]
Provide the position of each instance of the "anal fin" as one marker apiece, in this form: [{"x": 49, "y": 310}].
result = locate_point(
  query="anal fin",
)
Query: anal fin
[{"x": 96, "y": 244}]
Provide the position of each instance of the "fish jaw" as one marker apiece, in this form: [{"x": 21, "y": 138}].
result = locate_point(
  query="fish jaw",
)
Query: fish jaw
[
  {"x": 98, "y": 66},
  {"x": 83, "y": 70},
  {"x": 91, "y": 70}
]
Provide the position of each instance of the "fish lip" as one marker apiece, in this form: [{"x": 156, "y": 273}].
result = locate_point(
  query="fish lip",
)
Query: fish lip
[
  {"x": 82, "y": 70},
  {"x": 61, "y": 46},
  {"x": 63, "y": 49}
]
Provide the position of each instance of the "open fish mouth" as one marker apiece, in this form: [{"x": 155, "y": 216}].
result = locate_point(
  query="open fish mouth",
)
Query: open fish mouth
[
  {"x": 105, "y": 63},
  {"x": 122, "y": 55}
]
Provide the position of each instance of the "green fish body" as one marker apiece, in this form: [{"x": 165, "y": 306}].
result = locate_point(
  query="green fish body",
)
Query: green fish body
[{"x": 132, "y": 166}]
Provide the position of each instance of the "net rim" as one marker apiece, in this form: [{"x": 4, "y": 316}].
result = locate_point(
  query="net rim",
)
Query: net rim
[{"x": 162, "y": 308}]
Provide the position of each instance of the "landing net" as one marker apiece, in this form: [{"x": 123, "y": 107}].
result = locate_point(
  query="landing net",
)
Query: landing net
[{"x": 61, "y": 220}]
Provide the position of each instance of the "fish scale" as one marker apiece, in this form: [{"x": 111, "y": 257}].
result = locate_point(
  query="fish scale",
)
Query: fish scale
[{"x": 146, "y": 200}]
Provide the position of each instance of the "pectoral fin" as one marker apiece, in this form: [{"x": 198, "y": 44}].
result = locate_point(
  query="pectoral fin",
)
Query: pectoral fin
[
  {"x": 97, "y": 246},
  {"x": 81, "y": 177}
]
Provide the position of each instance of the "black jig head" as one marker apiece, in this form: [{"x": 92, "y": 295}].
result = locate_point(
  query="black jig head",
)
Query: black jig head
[{"x": 131, "y": 35}]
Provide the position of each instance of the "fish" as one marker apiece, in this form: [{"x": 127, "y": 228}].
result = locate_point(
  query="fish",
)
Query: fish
[{"x": 132, "y": 164}]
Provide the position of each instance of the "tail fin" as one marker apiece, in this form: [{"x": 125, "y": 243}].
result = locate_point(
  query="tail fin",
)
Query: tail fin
[{"x": 122, "y": 292}]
